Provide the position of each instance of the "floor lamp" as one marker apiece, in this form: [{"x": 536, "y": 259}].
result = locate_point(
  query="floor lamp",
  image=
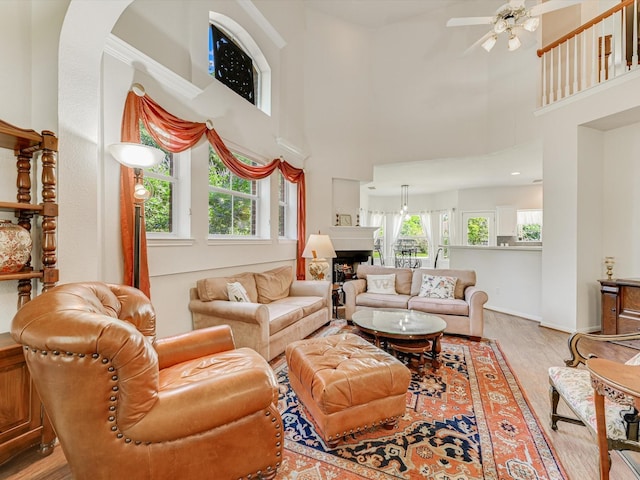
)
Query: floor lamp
[{"x": 138, "y": 157}]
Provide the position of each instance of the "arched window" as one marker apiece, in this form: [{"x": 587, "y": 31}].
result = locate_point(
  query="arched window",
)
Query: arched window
[{"x": 236, "y": 60}]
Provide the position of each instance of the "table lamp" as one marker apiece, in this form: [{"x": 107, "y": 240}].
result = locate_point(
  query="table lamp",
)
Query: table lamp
[
  {"x": 319, "y": 248},
  {"x": 137, "y": 156}
]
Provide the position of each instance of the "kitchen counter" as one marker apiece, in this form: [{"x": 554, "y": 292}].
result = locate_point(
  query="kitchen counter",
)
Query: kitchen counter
[
  {"x": 511, "y": 276},
  {"x": 520, "y": 248}
]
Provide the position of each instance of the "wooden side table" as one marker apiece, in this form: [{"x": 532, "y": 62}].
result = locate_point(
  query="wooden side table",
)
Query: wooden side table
[{"x": 621, "y": 384}]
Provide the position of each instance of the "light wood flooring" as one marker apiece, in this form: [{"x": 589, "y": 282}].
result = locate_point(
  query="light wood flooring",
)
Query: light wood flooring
[{"x": 528, "y": 348}]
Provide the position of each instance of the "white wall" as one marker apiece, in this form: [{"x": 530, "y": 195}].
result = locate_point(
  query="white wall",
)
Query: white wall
[
  {"x": 575, "y": 163},
  {"x": 29, "y": 32}
]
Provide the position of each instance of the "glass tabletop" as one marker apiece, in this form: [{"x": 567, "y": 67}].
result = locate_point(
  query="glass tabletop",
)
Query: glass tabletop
[{"x": 398, "y": 322}]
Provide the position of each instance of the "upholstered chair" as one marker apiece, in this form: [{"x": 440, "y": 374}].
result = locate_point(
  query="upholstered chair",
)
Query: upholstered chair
[{"x": 125, "y": 405}]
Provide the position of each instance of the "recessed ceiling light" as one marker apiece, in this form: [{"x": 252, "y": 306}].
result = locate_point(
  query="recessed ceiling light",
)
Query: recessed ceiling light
[{"x": 515, "y": 173}]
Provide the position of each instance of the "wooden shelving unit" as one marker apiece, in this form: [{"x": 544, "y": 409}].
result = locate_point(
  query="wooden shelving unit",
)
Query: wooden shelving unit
[{"x": 23, "y": 422}]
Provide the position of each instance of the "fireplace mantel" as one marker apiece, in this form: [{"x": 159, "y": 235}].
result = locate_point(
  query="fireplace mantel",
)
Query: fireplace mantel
[{"x": 352, "y": 238}]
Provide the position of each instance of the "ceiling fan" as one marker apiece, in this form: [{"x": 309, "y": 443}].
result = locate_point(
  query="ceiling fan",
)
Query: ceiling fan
[{"x": 510, "y": 18}]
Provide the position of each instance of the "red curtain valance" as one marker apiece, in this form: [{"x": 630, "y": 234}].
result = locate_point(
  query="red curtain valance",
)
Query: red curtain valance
[{"x": 180, "y": 136}]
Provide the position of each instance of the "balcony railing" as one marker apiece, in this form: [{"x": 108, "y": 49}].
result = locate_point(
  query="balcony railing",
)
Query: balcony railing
[{"x": 601, "y": 49}]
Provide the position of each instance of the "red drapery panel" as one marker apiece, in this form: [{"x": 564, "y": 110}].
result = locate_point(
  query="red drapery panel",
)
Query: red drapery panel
[{"x": 182, "y": 135}]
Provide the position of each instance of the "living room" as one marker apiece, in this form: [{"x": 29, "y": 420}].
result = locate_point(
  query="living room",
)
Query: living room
[{"x": 341, "y": 94}]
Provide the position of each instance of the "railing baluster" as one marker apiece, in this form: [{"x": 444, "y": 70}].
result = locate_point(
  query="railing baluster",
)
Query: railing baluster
[
  {"x": 576, "y": 72},
  {"x": 551, "y": 75},
  {"x": 544, "y": 79},
  {"x": 595, "y": 64},
  {"x": 567, "y": 92},
  {"x": 623, "y": 38},
  {"x": 602, "y": 53},
  {"x": 634, "y": 57},
  {"x": 559, "y": 91},
  {"x": 584, "y": 81}
]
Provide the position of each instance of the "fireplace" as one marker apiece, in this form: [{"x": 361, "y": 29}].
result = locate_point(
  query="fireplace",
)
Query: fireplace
[{"x": 345, "y": 265}]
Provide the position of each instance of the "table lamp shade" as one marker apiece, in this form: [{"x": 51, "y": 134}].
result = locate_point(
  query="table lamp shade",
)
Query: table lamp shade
[{"x": 319, "y": 248}]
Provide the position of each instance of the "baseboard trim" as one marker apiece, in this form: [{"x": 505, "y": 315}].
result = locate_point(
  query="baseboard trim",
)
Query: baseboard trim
[{"x": 506, "y": 311}]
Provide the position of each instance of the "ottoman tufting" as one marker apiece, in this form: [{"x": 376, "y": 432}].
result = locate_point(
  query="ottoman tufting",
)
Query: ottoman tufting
[{"x": 347, "y": 384}]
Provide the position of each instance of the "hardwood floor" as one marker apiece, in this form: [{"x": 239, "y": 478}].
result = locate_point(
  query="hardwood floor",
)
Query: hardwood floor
[{"x": 528, "y": 348}]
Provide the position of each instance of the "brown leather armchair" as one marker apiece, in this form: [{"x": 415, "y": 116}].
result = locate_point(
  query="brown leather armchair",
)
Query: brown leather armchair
[{"x": 125, "y": 405}]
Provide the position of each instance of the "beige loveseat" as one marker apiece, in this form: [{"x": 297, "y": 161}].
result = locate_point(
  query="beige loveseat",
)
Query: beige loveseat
[
  {"x": 279, "y": 311},
  {"x": 463, "y": 313}
]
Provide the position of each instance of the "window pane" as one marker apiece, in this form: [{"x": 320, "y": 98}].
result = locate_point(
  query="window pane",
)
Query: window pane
[
  {"x": 157, "y": 210},
  {"x": 219, "y": 175},
  {"x": 478, "y": 231},
  {"x": 444, "y": 229},
  {"x": 281, "y": 221},
  {"x": 230, "y": 64},
  {"x": 243, "y": 209},
  {"x": 220, "y": 210}
]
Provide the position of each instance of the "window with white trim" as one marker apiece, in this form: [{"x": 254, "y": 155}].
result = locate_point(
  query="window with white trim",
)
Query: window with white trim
[
  {"x": 167, "y": 211},
  {"x": 237, "y": 207},
  {"x": 529, "y": 224},
  {"x": 236, "y": 60},
  {"x": 445, "y": 237}
]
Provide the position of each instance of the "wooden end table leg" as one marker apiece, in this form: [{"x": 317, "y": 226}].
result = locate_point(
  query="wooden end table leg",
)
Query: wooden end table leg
[
  {"x": 603, "y": 448},
  {"x": 436, "y": 348}
]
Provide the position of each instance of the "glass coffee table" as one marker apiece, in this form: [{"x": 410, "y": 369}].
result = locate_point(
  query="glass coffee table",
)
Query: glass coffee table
[{"x": 415, "y": 334}]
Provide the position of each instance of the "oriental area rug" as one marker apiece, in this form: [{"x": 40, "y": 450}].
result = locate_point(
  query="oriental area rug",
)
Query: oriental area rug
[{"x": 468, "y": 421}]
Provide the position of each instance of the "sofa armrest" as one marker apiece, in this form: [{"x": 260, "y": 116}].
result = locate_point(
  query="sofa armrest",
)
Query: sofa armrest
[
  {"x": 248, "y": 321},
  {"x": 310, "y": 288},
  {"x": 351, "y": 290},
  {"x": 195, "y": 344},
  {"x": 476, "y": 299},
  {"x": 245, "y": 312}
]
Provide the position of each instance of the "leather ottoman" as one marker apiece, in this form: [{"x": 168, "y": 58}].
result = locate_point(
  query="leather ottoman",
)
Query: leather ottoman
[{"x": 347, "y": 384}]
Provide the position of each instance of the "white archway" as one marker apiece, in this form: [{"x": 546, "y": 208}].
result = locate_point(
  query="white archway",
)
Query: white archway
[{"x": 84, "y": 32}]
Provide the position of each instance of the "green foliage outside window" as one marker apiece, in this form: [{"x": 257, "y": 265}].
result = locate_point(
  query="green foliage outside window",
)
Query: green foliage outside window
[
  {"x": 478, "y": 231},
  {"x": 158, "y": 209},
  {"x": 412, "y": 228},
  {"x": 530, "y": 232},
  {"x": 232, "y": 201}
]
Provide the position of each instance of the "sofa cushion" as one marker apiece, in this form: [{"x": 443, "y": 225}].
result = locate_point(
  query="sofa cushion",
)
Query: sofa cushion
[
  {"x": 439, "y": 306},
  {"x": 437, "y": 287},
  {"x": 216, "y": 288},
  {"x": 380, "y": 300},
  {"x": 403, "y": 276},
  {"x": 281, "y": 315},
  {"x": 385, "y": 284},
  {"x": 466, "y": 278},
  {"x": 274, "y": 284},
  {"x": 309, "y": 305}
]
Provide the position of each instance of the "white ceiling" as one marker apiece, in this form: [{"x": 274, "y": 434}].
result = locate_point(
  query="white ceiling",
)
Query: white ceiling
[{"x": 443, "y": 174}]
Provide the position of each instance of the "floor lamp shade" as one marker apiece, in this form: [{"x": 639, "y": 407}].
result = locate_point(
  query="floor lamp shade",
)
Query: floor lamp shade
[
  {"x": 319, "y": 248},
  {"x": 137, "y": 156}
]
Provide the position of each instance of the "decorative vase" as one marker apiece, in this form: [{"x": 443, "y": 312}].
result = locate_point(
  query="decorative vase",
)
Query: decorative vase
[{"x": 15, "y": 247}]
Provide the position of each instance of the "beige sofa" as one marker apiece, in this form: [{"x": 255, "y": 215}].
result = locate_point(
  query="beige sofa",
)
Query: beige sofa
[
  {"x": 280, "y": 309},
  {"x": 463, "y": 313}
]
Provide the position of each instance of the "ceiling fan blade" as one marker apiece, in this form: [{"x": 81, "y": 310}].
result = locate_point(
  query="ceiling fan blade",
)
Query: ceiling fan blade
[
  {"x": 551, "y": 5},
  {"x": 464, "y": 21}
]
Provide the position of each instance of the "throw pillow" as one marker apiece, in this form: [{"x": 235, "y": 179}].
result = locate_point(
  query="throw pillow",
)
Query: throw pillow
[
  {"x": 274, "y": 284},
  {"x": 237, "y": 293},
  {"x": 437, "y": 287},
  {"x": 385, "y": 284}
]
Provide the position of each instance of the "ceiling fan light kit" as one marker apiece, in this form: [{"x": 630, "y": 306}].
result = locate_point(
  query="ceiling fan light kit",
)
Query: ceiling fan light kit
[
  {"x": 514, "y": 43},
  {"x": 489, "y": 43},
  {"x": 509, "y": 18}
]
